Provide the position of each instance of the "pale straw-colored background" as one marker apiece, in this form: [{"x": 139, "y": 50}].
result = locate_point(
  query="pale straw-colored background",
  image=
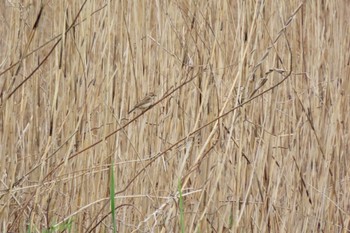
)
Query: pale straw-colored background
[{"x": 252, "y": 115}]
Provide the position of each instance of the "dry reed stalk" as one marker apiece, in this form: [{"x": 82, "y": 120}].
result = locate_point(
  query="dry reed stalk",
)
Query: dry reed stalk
[{"x": 251, "y": 115}]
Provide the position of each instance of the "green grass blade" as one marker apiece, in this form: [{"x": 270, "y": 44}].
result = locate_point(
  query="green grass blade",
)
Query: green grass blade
[
  {"x": 111, "y": 195},
  {"x": 181, "y": 206}
]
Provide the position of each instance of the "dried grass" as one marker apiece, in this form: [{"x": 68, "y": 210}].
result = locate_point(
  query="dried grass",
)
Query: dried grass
[{"x": 251, "y": 115}]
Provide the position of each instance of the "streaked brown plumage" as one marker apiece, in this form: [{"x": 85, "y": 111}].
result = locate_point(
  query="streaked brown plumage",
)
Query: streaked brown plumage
[{"x": 145, "y": 102}]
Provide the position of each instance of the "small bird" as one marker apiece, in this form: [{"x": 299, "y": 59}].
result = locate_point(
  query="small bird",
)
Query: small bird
[{"x": 145, "y": 102}]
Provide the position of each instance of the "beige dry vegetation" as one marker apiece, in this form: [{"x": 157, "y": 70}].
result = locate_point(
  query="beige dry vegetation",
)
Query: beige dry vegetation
[{"x": 252, "y": 114}]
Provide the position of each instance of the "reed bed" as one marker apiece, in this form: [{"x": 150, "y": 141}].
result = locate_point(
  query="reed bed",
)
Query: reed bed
[{"x": 249, "y": 130}]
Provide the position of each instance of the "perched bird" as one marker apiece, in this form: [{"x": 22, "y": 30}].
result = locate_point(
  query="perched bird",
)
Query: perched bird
[{"x": 145, "y": 102}]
